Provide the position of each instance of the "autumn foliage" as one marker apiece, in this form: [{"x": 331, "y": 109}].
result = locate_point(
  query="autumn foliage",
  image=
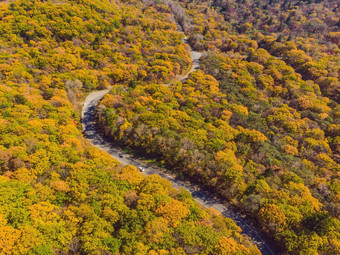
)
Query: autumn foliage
[
  {"x": 258, "y": 124},
  {"x": 58, "y": 194}
]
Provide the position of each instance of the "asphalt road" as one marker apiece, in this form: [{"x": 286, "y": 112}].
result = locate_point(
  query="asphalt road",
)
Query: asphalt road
[
  {"x": 195, "y": 56},
  {"x": 203, "y": 197},
  {"x": 92, "y": 133}
]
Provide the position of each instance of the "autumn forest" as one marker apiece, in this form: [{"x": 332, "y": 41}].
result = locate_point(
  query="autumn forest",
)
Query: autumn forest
[{"x": 257, "y": 125}]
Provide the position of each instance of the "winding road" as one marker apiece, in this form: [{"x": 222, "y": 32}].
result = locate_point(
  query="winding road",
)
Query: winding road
[
  {"x": 195, "y": 55},
  {"x": 203, "y": 197}
]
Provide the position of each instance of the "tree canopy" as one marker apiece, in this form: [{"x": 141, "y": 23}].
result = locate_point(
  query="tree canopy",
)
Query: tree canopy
[{"x": 58, "y": 194}]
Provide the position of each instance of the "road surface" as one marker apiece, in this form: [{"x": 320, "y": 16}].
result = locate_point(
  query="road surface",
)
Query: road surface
[
  {"x": 92, "y": 133},
  {"x": 195, "y": 55}
]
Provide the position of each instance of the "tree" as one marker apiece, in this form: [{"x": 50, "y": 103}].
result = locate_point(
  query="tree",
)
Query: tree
[{"x": 272, "y": 218}]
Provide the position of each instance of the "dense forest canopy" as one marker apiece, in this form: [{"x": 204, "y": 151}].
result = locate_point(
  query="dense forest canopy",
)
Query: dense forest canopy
[
  {"x": 259, "y": 123},
  {"x": 58, "y": 194}
]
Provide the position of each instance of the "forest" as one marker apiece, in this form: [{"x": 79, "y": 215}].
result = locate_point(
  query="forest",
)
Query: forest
[
  {"x": 60, "y": 195},
  {"x": 258, "y": 124}
]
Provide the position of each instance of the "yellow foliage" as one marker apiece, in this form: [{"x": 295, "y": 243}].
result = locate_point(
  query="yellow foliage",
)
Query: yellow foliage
[
  {"x": 30, "y": 237},
  {"x": 240, "y": 109},
  {"x": 226, "y": 157},
  {"x": 3, "y": 124},
  {"x": 146, "y": 202},
  {"x": 60, "y": 186},
  {"x": 130, "y": 174},
  {"x": 173, "y": 212},
  {"x": 226, "y": 246},
  {"x": 226, "y": 115},
  {"x": 272, "y": 218},
  {"x": 155, "y": 230},
  {"x": 43, "y": 212},
  {"x": 291, "y": 150},
  {"x": 8, "y": 238},
  {"x": 301, "y": 197},
  {"x": 3, "y": 220},
  {"x": 24, "y": 175}
]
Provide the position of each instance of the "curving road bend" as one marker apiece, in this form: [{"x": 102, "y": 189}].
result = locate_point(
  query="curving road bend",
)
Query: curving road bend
[
  {"x": 195, "y": 55},
  {"x": 92, "y": 133},
  {"x": 203, "y": 197}
]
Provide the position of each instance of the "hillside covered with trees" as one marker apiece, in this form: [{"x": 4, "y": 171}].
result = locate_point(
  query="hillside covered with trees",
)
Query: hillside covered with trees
[
  {"x": 259, "y": 123},
  {"x": 58, "y": 194}
]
